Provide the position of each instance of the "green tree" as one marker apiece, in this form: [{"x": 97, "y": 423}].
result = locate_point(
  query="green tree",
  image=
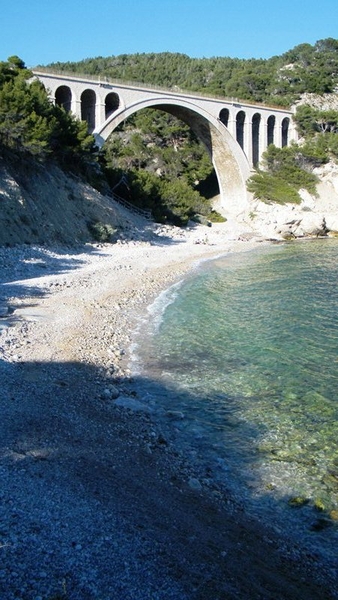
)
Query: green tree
[
  {"x": 30, "y": 124},
  {"x": 163, "y": 162},
  {"x": 287, "y": 171},
  {"x": 305, "y": 119},
  {"x": 272, "y": 189},
  {"x": 310, "y": 120}
]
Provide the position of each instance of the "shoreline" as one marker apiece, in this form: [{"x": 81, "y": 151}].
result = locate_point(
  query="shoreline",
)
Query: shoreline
[{"x": 75, "y": 436}]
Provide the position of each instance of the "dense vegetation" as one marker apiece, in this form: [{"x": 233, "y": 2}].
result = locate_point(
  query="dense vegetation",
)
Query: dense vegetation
[
  {"x": 285, "y": 173},
  {"x": 155, "y": 161},
  {"x": 31, "y": 126},
  {"x": 280, "y": 79},
  {"x": 287, "y": 170}
]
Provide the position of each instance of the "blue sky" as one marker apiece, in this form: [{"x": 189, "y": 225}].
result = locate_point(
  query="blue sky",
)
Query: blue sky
[{"x": 41, "y": 32}]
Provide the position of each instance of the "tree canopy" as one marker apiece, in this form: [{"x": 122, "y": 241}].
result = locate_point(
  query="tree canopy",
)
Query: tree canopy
[
  {"x": 163, "y": 164},
  {"x": 280, "y": 79},
  {"x": 31, "y": 125}
]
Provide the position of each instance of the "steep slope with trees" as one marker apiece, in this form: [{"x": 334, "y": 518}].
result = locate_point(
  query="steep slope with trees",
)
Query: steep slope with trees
[
  {"x": 45, "y": 157},
  {"x": 33, "y": 129},
  {"x": 288, "y": 170},
  {"x": 31, "y": 126},
  {"x": 280, "y": 79}
]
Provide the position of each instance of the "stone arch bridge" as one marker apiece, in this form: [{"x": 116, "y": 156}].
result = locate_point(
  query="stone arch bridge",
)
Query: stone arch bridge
[{"x": 235, "y": 133}]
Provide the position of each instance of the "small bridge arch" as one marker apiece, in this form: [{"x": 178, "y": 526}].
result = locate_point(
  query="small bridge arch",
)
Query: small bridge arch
[
  {"x": 63, "y": 97},
  {"x": 85, "y": 105},
  {"x": 88, "y": 107},
  {"x": 285, "y": 131},
  {"x": 112, "y": 103}
]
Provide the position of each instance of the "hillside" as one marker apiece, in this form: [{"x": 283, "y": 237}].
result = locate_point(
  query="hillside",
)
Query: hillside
[
  {"x": 153, "y": 150},
  {"x": 280, "y": 79},
  {"x": 41, "y": 204}
]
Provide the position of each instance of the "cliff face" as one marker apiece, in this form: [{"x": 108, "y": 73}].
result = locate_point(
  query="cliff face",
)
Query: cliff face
[
  {"x": 327, "y": 102},
  {"x": 40, "y": 205}
]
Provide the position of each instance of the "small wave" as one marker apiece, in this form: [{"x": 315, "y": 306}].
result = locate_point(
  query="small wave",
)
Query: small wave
[
  {"x": 157, "y": 308},
  {"x": 149, "y": 324}
]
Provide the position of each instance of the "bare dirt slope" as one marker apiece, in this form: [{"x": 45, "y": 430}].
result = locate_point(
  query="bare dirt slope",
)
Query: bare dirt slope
[{"x": 42, "y": 205}]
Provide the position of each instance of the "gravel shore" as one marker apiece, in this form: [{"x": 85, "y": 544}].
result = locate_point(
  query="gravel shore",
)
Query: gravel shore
[{"x": 96, "y": 500}]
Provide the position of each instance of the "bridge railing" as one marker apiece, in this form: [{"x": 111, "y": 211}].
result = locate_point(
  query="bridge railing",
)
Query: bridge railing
[
  {"x": 146, "y": 214},
  {"x": 148, "y": 86}
]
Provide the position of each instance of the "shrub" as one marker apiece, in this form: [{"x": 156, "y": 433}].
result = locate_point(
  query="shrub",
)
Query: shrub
[
  {"x": 101, "y": 232},
  {"x": 288, "y": 170},
  {"x": 215, "y": 217},
  {"x": 271, "y": 188}
]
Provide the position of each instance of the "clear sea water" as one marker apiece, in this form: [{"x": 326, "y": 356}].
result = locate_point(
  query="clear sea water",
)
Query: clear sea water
[{"x": 246, "y": 348}]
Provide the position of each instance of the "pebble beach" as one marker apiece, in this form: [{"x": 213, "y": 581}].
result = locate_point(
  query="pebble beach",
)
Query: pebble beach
[{"x": 96, "y": 500}]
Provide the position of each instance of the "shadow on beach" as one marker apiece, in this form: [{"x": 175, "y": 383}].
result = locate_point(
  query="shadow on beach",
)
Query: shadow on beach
[
  {"x": 20, "y": 265},
  {"x": 97, "y": 502}
]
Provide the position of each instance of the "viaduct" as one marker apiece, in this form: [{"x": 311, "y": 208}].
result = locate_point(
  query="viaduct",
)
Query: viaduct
[{"x": 234, "y": 133}]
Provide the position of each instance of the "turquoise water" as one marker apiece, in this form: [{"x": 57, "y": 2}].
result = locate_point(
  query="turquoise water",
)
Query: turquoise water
[{"x": 247, "y": 349}]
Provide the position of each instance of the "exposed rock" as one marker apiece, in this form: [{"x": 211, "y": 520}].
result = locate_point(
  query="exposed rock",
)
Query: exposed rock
[
  {"x": 175, "y": 414},
  {"x": 3, "y": 310},
  {"x": 194, "y": 484},
  {"x": 320, "y": 102},
  {"x": 114, "y": 392},
  {"x": 315, "y": 216}
]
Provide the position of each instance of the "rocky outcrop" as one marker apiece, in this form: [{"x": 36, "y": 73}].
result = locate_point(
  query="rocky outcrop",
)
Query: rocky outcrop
[
  {"x": 315, "y": 216},
  {"x": 324, "y": 102}
]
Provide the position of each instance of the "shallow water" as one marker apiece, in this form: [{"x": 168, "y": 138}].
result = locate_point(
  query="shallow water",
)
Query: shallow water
[{"x": 247, "y": 348}]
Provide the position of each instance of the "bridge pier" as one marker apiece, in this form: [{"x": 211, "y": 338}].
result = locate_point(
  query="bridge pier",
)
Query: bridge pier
[
  {"x": 263, "y": 143},
  {"x": 100, "y": 112},
  {"x": 232, "y": 125},
  {"x": 76, "y": 108}
]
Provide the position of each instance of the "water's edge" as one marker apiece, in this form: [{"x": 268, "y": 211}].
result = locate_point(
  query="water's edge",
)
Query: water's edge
[{"x": 176, "y": 406}]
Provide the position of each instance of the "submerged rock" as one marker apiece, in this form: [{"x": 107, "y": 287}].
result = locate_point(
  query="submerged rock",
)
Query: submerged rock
[
  {"x": 321, "y": 524},
  {"x": 131, "y": 404},
  {"x": 194, "y": 484},
  {"x": 298, "y": 501}
]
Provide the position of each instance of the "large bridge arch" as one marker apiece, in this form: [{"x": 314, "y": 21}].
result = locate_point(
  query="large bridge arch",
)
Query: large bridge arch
[{"x": 230, "y": 163}]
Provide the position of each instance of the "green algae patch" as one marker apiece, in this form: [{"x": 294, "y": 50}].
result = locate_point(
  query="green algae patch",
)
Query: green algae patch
[{"x": 298, "y": 501}]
